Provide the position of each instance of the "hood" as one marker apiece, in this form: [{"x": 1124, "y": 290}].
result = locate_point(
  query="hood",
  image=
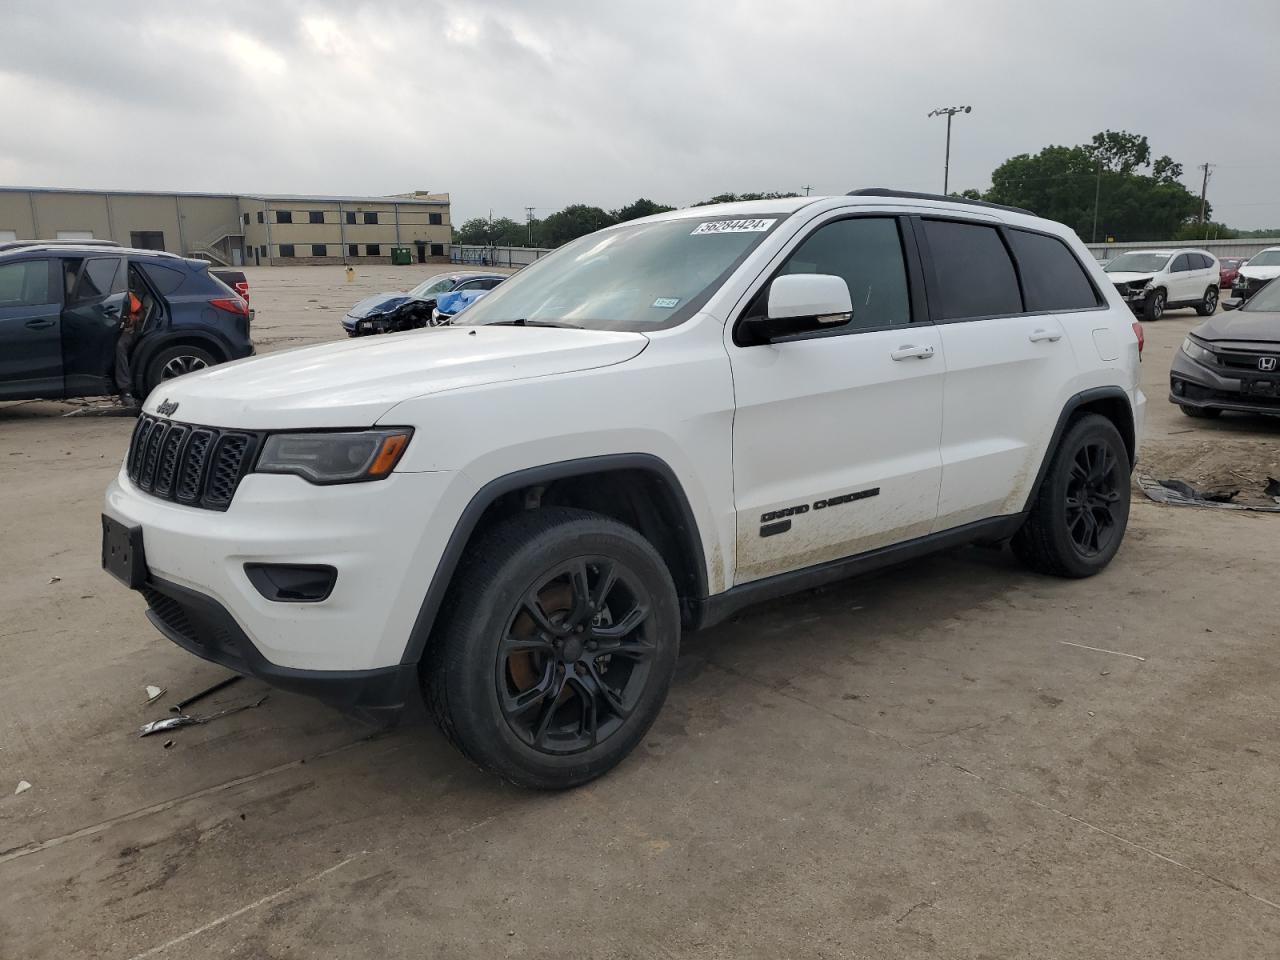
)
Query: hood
[
  {"x": 352, "y": 383},
  {"x": 1129, "y": 277},
  {"x": 1249, "y": 326},
  {"x": 378, "y": 303},
  {"x": 458, "y": 300},
  {"x": 1260, "y": 273}
]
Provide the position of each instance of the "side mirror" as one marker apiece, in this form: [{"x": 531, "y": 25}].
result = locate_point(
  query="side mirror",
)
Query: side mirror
[
  {"x": 1235, "y": 304},
  {"x": 801, "y": 303}
]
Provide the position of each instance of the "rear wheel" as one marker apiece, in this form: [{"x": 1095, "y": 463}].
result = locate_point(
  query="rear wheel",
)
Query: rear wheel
[
  {"x": 1209, "y": 303},
  {"x": 1207, "y": 413},
  {"x": 555, "y": 648},
  {"x": 1153, "y": 308},
  {"x": 1080, "y": 512},
  {"x": 174, "y": 362}
]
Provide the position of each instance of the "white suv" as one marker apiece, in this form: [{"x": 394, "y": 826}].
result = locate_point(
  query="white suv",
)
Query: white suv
[
  {"x": 515, "y": 516},
  {"x": 1153, "y": 281}
]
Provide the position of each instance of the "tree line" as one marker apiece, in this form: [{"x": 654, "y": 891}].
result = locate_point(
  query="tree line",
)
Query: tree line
[{"x": 1110, "y": 188}]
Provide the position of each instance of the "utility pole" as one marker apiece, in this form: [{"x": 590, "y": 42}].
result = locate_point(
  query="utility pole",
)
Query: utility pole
[
  {"x": 528, "y": 219},
  {"x": 1204, "y": 193},
  {"x": 1097, "y": 192},
  {"x": 806, "y": 188},
  {"x": 948, "y": 112}
]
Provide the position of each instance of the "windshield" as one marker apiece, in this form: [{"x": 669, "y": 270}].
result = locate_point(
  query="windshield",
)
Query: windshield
[
  {"x": 1137, "y": 263},
  {"x": 644, "y": 276},
  {"x": 1267, "y": 258},
  {"x": 431, "y": 286},
  {"x": 1265, "y": 300}
]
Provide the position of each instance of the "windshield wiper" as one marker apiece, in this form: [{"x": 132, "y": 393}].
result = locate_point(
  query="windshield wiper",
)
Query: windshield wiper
[{"x": 524, "y": 322}]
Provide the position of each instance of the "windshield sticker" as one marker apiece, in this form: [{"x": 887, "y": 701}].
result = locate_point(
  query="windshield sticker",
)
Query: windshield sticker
[
  {"x": 758, "y": 225},
  {"x": 666, "y": 303}
]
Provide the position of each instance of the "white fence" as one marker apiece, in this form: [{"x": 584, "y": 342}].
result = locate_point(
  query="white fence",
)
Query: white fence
[
  {"x": 1219, "y": 248},
  {"x": 496, "y": 256}
]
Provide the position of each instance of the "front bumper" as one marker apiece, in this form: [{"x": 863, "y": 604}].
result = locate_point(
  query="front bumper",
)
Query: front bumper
[
  {"x": 1192, "y": 384},
  {"x": 347, "y": 648}
]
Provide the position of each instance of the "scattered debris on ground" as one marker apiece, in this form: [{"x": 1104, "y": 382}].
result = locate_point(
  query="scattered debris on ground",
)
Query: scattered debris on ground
[
  {"x": 23, "y": 787},
  {"x": 1179, "y": 493},
  {"x": 154, "y": 693},
  {"x": 207, "y": 692},
  {"x": 187, "y": 720}
]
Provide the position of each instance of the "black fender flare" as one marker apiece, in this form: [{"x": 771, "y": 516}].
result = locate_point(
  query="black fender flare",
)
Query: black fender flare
[
  {"x": 465, "y": 526},
  {"x": 1073, "y": 405}
]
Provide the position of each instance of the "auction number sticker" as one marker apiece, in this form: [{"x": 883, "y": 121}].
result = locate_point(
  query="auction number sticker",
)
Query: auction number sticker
[{"x": 758, "y": 225}]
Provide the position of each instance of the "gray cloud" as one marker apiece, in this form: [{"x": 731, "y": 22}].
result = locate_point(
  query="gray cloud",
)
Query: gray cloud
[{"x": 507, "y": 103}]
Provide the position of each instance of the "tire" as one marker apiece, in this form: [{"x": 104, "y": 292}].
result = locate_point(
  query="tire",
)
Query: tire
[
  {"x": 173, "y": 362},
  {"x": 1199, "y": 413},
  {"x": 1153, "y": 306},
  {"x": 511, "y": 675},
  {"x": 1209, "y": 303},
  {"x": 1079, "y": 514}
]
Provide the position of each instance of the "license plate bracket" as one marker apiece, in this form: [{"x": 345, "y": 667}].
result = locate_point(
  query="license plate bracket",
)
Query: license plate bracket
[{"x": 122, "y": 553}]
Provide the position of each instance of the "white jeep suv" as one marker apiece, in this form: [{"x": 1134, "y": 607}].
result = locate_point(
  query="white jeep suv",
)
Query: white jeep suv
[
  {"x": 515, "y": 516},
  {"x": 1153, "y": 281}
]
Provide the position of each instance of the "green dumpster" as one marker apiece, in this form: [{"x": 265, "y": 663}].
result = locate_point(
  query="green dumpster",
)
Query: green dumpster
[{"x": 401, "y": 256}]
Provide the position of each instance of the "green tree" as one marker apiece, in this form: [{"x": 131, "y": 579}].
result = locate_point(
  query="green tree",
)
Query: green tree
[
  {"x": 1061, "y": 183},
  {"x": 473, "y": 231},
  {"x": 637, "y": 209},
  {"x": 575, "y": 220},
  {"x": 502, "y": 232},
  {"x": 736, "y": 197}
]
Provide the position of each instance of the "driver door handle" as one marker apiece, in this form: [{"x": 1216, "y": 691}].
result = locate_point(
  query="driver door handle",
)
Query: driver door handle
[
  {"x": 1042, "y": 335},
  {"x": 39, "y": 324},
  {"x": 909, "y": 351}
]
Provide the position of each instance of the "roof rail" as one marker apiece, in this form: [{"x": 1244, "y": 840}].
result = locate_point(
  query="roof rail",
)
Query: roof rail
[
  {"x": 886, "y": 192},
  {"x": 19, "y": 244}
]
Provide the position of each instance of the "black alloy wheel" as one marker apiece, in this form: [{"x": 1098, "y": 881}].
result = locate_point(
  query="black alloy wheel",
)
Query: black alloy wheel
[
  {"x": 1096, "y": 484},
  {"x": 575, "y": 657}
]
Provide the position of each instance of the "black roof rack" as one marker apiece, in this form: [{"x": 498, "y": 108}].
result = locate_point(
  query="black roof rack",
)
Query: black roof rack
[
  {"x": 886, "y": 192},
  {"x": 19, "y": 244}
]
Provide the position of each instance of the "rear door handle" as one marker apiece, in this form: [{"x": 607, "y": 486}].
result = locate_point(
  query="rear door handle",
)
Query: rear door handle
[
  {"x": 909, "y": 352},
  {"x": 39, "y": 324},
  {"x": 1041, "y": 335}
]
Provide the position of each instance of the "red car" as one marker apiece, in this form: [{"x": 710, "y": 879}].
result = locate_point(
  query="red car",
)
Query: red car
[{"x": 1228, "y": 267}]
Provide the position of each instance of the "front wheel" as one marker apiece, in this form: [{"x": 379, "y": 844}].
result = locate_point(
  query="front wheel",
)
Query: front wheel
[
  {"x": 1209, "y": 303},
  {"x": 1153, "y": 308},
  {"x": 555, "y": 648},
  {"x": 1079, "y": 514}
]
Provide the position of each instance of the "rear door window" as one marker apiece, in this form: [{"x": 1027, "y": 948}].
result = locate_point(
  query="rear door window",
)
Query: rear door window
[
  {"x": 25, "y": 284},
  {"x": 975, "y": 276},
  {"x": 1052, "y": 278}
]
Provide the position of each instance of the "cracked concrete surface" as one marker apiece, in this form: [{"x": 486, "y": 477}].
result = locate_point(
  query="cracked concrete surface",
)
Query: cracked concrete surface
[{"x": 953, "y": 759}]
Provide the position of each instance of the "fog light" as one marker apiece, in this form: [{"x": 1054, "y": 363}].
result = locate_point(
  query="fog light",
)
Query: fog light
[{"x": 292, "y": 583}]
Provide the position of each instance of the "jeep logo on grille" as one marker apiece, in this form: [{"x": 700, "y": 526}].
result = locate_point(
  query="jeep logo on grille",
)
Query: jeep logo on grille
[
  {"x": 1266, "y": 363},
  {"x": 168, "y": 408}
]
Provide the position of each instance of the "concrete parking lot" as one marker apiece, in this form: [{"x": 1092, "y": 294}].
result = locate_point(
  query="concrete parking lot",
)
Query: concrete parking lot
[{"x": 955, "y": 758}]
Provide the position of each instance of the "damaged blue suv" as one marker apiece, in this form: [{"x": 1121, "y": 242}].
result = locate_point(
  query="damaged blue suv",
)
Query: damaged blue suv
[{"x": 86, "y": 319}]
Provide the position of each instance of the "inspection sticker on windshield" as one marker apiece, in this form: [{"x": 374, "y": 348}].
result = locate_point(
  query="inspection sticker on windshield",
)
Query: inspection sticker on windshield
[
  {"x": 758, "y": 225},
  {"x": 666, "y": 302}
]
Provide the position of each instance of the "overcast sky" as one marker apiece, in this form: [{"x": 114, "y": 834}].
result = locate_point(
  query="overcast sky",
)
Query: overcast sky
[{"x": 506, "y": 104}]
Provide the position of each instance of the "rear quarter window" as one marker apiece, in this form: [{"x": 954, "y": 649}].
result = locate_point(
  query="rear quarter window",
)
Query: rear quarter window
[
  {"x": 1052, "y": 278},
  {"x": 167, "y": 280},
  {"x": 975, "y": 277}
]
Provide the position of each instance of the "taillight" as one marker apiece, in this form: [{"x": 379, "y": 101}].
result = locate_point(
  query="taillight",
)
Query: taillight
[
  {"x": 1142, "y": 338},
  {"x": 231, "y": 305}
]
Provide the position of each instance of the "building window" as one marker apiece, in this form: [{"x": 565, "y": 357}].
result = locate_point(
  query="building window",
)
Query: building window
[
  {"x": 146, "y": 239},
  {"x": 319, "y": 250},
  {"x": 351, "y": 216},
  {"x": 262, "y": 251},
  {"x": 316, "y": 216},
  {"x": 284, "y": 216},
  {"x": 246, "y": 219},
  {"x": 353, "y": 250},
  {"x": 435, "y": 219},
  {"x": 370, "y": 217},
  {"x": 437, "y": 249},
  {"x": 372, "y": 250},
  {"x": 260, "y": 216},
  {"x": 286, "y": 249}
]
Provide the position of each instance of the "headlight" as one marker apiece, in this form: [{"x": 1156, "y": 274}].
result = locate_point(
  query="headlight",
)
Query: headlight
[
  {"x": 335, "y": 457},
  {"x": 1199, "y": 353}
]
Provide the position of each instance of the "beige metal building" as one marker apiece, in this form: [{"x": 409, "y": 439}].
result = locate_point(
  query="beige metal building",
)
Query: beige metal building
[{"x": 233, "y": 229}]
